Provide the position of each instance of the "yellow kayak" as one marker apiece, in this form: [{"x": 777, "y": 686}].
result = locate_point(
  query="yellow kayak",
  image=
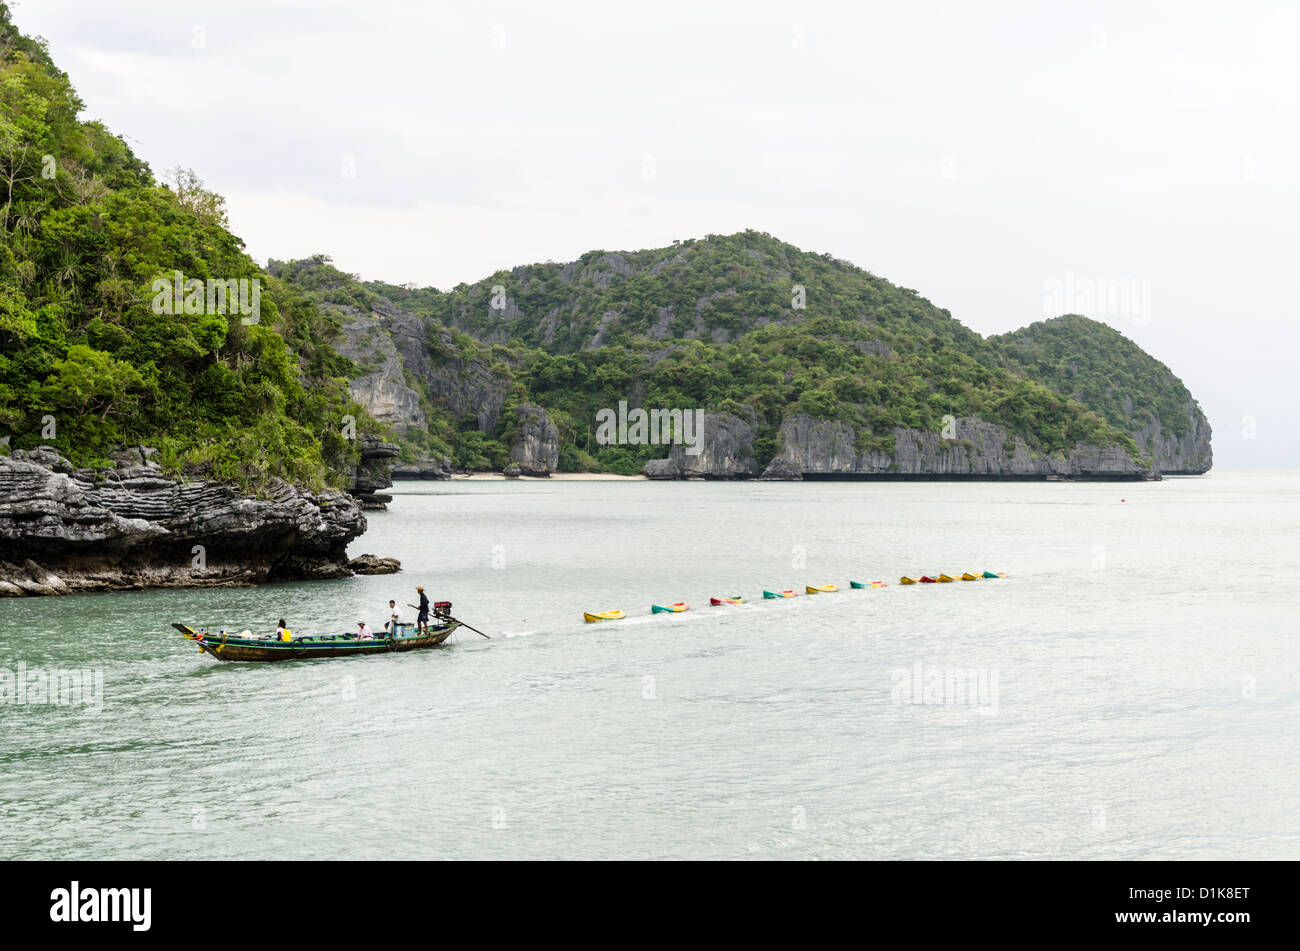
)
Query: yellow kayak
[
  {"x": 970, "y": 577},
  {"x": 906, "y": 580},
  {"x": 821, "y": 588},
  {"x": 945, "y": 579},
  {"x": 592, "y": 618}
]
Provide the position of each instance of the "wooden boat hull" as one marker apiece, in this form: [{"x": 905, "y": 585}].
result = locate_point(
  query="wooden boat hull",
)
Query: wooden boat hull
[{"x": 227, "y": 647}]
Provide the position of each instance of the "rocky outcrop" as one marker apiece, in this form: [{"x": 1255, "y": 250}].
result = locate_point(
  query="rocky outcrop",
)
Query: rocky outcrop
[
  {"x": 817, "y": 447},
  {"x": 726, "y": 451},
  {"x": 1189, "y": 454},
  {"x": 128, "y": 526},
  {"x": 536, "y": 449},
  {"x": 423, "y": 469},
  {"x": 374, "y": 565},
  {"x": 373, "y": 473}
]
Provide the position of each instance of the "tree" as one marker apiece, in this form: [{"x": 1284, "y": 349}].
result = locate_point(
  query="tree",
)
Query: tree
[{"x": 193, "y": 196}]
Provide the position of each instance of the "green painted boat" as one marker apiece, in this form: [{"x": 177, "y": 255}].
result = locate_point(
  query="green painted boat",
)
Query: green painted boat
[{"x": 226, "y": 646}]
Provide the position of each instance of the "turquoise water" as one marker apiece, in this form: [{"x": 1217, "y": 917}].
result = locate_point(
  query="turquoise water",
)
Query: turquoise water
[{"x": 1134, "y": 684}]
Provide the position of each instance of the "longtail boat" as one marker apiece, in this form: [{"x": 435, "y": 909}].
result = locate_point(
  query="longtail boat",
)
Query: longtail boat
[{"x": 223, "y": 645}]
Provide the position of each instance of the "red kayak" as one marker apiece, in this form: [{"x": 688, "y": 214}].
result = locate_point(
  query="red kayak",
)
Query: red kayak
[{"x": 926, "y": 579}]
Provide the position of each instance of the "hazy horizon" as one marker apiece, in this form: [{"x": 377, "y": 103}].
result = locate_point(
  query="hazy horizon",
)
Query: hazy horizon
[{"x": 1140, "y": 159}]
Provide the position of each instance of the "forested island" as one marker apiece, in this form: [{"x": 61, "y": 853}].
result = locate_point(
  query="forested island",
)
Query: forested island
[
  {"x": 805, "y": 364},
  {"x": 161, "y": 392}
]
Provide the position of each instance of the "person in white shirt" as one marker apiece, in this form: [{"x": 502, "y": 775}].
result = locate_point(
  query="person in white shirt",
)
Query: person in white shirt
[
  {"x": 363, "y": 632},
  {"x": 394, "y": 618}
]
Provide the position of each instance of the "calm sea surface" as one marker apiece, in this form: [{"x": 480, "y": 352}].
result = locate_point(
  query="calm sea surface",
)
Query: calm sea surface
[{"x": 1131, "y": 689}]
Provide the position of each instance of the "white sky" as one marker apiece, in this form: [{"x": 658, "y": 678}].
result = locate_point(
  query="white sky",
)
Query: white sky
[{"x": 987, "y": 155}]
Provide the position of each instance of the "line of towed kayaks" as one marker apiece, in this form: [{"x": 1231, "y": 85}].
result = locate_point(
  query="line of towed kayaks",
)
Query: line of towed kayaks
[
  {"x": 944, "y": 579},
  {"x": 677, "y": 607}
]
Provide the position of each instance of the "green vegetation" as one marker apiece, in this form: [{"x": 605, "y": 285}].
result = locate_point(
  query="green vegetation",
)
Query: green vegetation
[
  {"x": 741, "y": 323},
  {"x": 1094, "y": 364},
  {"x": 862, "y": 351},
  {"x": 86, "y": 231}
]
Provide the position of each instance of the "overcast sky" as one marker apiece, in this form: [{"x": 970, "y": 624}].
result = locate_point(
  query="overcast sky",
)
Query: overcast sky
[{"x": 1008, "y": 160}]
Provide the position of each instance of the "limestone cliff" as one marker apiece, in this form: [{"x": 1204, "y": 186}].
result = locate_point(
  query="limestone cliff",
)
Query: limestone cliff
[
  {"x": 128, "y": 526},
  {"x": 977, "y": 449},
  {"x": 536, "y": 449},
  {"x": 726, "y": 444},
  {"x": 812, "y": 448}
]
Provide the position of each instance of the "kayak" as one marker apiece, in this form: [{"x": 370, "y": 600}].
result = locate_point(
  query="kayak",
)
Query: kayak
[
  {"x": 989, "y": 574},
  {"x": 945, "y": 579},
  {"x": 863, "y": 584},
  {"x": 677, "y": 607},
  {"x": 821, "y": 588},
  {"x": 734, "y": 599},
  {"x": 787, "y": 593},
  {"x": 970, "y": 577},
  {"x": 906, "y": 580},
  {"x": 926, "y": 579},
  {"x": 592, "y": 617}
]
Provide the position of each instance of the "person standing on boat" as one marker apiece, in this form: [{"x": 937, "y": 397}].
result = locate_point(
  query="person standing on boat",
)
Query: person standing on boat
[
  {"x": 394, "y": 618},
  {"x": 422, "y": 619}
]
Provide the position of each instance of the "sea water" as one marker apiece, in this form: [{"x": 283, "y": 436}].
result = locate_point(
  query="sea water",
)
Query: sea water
[{"x": 1130, "y": 689}]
